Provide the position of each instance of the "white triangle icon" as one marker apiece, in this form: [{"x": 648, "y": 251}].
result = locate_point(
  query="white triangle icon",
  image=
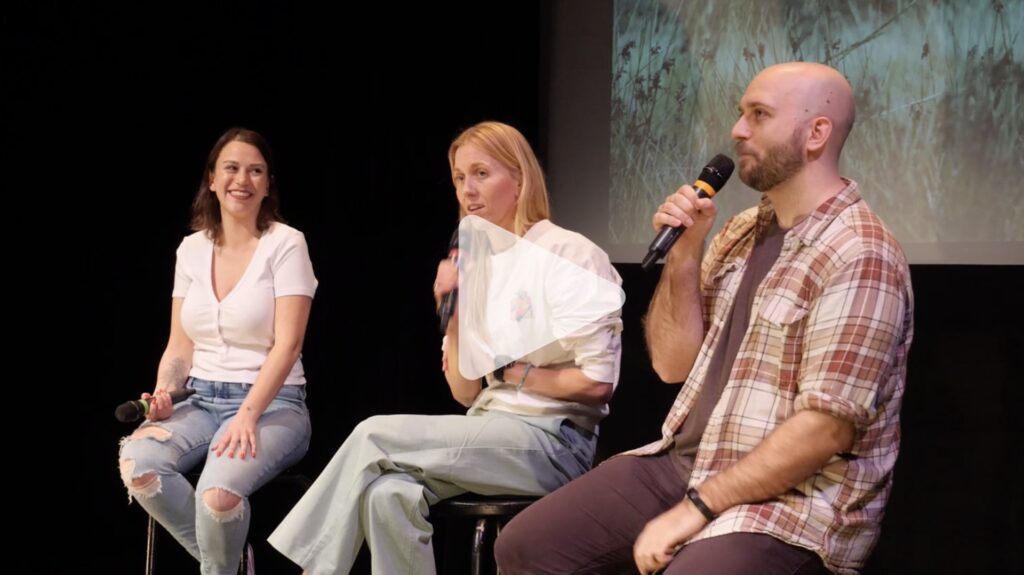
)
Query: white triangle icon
[{"x": 516, "y": 297}]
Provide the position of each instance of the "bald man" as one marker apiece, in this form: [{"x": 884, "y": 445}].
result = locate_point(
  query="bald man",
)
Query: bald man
[{"x": 790, "y": 335}]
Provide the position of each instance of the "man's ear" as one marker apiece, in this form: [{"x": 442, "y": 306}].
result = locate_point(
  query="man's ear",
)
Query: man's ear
[{"x": 818, "y": 136}]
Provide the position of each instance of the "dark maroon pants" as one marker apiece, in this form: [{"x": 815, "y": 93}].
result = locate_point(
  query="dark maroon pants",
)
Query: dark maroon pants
[{"x": 590, "y": 525}]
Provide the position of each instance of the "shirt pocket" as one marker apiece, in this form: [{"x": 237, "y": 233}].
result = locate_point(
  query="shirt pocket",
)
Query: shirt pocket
[
  {"x": 780, "y": 333},
  {"x": 783, "y": 308}
]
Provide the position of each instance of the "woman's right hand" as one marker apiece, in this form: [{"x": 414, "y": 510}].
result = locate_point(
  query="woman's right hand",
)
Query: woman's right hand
[
  {"x": 447, "y": 278},
  {"x": 160, "y": 405}
]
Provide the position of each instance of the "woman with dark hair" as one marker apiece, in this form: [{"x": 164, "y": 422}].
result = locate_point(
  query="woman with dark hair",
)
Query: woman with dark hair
[
  {"x": 531, "y": 425},
  {"x": 243, "y": 287}
]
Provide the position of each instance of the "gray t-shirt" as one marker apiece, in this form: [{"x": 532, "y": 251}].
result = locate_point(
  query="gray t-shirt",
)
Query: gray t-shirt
[{"x": 687, "y": 439}]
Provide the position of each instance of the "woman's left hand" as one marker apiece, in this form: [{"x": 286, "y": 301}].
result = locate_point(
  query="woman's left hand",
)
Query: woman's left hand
[{"x": 240, "y": 437}]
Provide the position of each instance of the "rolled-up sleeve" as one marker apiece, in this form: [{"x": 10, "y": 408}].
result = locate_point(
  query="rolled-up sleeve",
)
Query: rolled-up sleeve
[
  {"x": 851, "y": 339},
  {"x": 587, "y": 313}
]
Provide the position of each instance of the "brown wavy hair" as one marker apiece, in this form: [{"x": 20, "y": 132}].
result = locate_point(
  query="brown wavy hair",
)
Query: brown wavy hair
[{"x": 206, "y": 206}]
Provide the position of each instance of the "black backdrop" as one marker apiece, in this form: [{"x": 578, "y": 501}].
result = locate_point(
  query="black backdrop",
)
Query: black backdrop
[{"x": 111, "y": 112}]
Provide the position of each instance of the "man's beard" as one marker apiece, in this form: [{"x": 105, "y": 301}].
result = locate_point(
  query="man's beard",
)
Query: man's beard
[{"x": 780, "y": 163}]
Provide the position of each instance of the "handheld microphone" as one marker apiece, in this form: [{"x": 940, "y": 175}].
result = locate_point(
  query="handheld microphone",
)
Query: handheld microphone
[
  {"x": 130, "y": 411},
  {"x": 712, "y": 178},
  {"x": 451, "y": 298}
]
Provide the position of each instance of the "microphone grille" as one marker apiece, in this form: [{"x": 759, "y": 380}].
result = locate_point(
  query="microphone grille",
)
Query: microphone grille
[
  {"x": 128, "y": 412},
  {"x": 718, "y": 171}
]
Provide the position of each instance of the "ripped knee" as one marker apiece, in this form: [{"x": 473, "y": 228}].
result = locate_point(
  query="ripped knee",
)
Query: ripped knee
[
  {"x": 223, "y": 505},
  {"x": 158, "y": 433},
  {"x": 144, "y": 480},
  {"x": 145, "y": 485}
]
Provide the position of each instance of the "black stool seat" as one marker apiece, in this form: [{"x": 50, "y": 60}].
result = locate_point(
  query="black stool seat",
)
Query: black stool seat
[
  {"x": 472, "y": 505},
  {"x": 488, "y": 510}
]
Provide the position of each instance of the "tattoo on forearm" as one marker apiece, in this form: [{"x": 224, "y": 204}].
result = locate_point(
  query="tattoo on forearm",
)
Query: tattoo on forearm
[{"x": 174, "y": 375}]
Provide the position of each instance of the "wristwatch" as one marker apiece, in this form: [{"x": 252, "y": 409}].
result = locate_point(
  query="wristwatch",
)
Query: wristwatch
[
  {"x": 503, "y": 362},
  {"x": 699, "y": 504}
]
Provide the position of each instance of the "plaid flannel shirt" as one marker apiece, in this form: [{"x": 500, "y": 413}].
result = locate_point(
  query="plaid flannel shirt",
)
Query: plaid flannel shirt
[{"x": 830, "y": 330}]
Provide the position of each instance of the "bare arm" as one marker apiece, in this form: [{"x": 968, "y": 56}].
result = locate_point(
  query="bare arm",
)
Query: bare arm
[
  {"x": 674, "y": 325},
  {"x": 800, "y": 446},
  {"x": 172, "y": 372},
  {"x": 176, "y": 361},
  {"x": 567, "y": 383},
  {"x": 463, "y": 390}
]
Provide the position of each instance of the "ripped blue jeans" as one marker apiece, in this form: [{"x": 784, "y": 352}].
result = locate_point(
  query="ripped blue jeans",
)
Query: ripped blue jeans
[{"x": 169, "y": 448}]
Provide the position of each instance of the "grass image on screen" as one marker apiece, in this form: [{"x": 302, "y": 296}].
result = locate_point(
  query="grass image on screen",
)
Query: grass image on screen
[{"x": 938, "y": 145}]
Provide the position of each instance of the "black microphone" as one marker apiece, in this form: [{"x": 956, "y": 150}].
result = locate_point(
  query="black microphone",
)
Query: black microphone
[
  {"x": 130, "y": 411},
  {"x": 712, "y": 178},
  {"x": 451, "y": 298}
]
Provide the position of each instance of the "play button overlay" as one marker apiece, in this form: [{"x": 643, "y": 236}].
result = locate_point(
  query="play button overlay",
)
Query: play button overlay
[{"x": 516, "y": 297}]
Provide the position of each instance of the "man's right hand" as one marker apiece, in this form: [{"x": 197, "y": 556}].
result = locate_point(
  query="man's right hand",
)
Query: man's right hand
[{"x": 684, "y": 208}]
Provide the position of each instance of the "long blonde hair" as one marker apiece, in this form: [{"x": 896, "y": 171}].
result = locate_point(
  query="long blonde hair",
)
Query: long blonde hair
[{"x": 507, "y": 145}]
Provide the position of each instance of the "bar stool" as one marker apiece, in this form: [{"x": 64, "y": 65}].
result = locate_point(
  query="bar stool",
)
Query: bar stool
[{"x": 491, "y": 513}]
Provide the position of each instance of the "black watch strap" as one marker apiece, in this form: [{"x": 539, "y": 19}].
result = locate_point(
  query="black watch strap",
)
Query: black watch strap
[
  {"x": 502, "y": 362},
  {"x": 699, "y": 504}
]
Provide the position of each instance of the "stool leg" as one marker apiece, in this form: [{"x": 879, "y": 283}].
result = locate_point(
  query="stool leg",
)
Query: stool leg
[
  {"x": 478, "y": 543},
  {"x": 497, "y": 532},
  {"x": 150, "y": 544},
  {"x": 247, "y": 564}
]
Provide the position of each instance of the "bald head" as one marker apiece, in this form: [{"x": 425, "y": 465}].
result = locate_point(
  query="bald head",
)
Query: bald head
[{"x": 814, "y": 90}]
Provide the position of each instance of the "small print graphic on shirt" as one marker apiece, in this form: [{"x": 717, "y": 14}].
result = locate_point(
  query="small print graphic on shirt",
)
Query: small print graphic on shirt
[{"x": 522, "y": 307}]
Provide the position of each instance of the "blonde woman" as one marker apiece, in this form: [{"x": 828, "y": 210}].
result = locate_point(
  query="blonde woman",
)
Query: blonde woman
[{"x": 527, "y": 431}]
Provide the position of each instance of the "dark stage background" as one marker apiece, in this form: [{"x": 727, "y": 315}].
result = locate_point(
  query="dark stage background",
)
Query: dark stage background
[{"x": 111, "y": 112}]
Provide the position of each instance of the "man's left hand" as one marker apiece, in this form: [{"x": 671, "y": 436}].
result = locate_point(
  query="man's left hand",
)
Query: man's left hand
[{"x": 663, "y": 535}]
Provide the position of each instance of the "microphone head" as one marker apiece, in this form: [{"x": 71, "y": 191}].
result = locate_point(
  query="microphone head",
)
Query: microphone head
[
  {"x": 128, "y": 412},
  {"x": 717, "y": 172}
]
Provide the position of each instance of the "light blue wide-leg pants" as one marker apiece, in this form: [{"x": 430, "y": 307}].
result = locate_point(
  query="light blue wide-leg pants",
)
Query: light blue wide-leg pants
[{"x": 380, "y": 484}]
